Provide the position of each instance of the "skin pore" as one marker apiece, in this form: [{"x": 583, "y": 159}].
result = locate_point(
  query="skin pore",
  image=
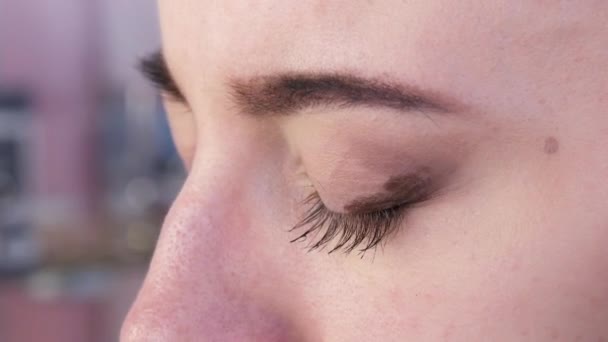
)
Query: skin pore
[{"x": 500, "y": 106}]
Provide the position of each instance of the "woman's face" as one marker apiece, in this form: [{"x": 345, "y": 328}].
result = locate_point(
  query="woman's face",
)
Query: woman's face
[{"x": 461, "y": 144}]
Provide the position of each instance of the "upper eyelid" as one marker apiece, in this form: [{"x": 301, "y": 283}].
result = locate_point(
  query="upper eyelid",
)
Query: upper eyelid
[{"x": 155, "y": 69}]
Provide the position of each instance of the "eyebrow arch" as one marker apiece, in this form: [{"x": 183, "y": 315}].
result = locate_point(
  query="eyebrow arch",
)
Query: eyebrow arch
[
  {"x": 155, "y": 69},
  {"x": 288, "y": 93}
]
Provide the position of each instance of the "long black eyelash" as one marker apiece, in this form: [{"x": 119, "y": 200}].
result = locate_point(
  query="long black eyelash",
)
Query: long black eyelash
[{"x": 350, "y": 230}]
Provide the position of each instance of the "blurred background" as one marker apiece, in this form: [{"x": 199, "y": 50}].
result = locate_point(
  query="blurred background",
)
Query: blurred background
[{"x": 87, "y": 167}]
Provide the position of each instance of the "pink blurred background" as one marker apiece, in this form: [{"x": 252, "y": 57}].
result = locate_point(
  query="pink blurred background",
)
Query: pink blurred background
[{"x": 87, "y": 168}]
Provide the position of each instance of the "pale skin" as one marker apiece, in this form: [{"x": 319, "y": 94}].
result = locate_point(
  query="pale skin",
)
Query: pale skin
[{"x": 512, "y": 247}]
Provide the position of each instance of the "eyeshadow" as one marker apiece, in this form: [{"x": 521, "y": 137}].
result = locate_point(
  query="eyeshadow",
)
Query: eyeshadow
[{"x": 398, "y": 190}]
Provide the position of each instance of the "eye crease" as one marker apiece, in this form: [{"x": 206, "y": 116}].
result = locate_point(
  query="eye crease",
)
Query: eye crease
[{"x": 368, "y": 221}]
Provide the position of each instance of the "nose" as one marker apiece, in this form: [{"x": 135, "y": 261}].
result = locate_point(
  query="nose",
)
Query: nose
[{"x": 207, "y": 280}]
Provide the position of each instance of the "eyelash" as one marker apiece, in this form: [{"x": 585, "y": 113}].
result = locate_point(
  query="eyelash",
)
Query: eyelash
[{"x": 351, "y": 230}]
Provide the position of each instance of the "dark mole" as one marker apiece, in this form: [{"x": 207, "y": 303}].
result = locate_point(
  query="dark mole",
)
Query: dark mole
[
  {"x": 551, "y": 145},
  {"x": 398, "y": 190}
]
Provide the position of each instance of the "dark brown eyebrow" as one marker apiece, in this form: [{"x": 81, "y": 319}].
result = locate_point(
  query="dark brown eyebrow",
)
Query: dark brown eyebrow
[
  {"x": 154, "y": 68},
  {"x": 288, "y": 93}
]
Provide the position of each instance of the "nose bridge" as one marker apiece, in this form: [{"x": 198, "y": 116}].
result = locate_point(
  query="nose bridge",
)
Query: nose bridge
[
  {"x": 186, "y": 291},
  {"x": 212, "y": 212},
  {"x": 202, "y": 232},
  {"x": 199, "y": 283}
]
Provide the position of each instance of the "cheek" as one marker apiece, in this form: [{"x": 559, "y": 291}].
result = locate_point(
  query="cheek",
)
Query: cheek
[
  {"x": 535, "y": 288},
  {"x": 503, "y": 256},
  {"x": 554, "y": 285}
]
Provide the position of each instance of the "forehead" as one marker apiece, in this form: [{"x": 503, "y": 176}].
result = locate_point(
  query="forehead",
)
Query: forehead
[
  {"x": 425, "y": 41},
  {"x": 294, "y": 32}
]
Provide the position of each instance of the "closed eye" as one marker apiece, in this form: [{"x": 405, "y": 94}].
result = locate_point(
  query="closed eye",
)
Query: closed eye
[{"x": 369, "y": 220}]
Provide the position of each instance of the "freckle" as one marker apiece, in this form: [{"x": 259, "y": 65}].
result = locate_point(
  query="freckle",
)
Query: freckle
[{"x": 551, "y": 145}]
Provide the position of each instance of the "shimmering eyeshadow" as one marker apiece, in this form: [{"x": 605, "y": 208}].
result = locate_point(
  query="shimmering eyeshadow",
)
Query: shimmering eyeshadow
[{"x": 398, "y": 190}]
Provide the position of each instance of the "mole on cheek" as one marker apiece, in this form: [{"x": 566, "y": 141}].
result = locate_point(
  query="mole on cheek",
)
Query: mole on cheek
[{"x": 551, "y": 145}]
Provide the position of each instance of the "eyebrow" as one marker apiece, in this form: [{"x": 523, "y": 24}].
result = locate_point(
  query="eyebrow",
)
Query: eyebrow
[
  {"x": 288, "y": 93},
  {"x": 155, "y": 69}
]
